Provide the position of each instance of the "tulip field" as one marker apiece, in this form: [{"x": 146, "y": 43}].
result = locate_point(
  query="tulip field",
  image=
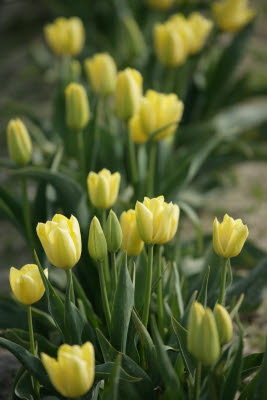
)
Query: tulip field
[{"x": 125, "y": 272}]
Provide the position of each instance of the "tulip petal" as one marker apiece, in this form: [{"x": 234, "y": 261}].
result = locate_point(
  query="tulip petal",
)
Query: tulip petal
[
  {"x": 64, "y": 251},
  {"x": 237, "y": 240},
  {"x": 144, "y": 220},
  {"x": 52, "y": 368}
]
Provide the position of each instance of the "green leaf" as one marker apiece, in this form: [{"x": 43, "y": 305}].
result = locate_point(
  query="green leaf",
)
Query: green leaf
[
  {"x": 23, "y": 389},
  {"x": 74, "y": 322},
  {"x": 261, "y": 388},
  {"x": 193, "y": 217},
  {"x": 249, "y": 390},
  {"x": 251, "y": 363},
  {"x": 103, "y": 371},
  {"x": 30, "y": 362},
  {"x": 122, "y": 309},
  {"x": 232, "y": 381},
  {"x": 178, "y": 290},
  {"x": 111, "y": 390},
  {"x": 181, "y": 334},
  {"x": 203, "y": 294},
  {"x": 188, "y": 307}
]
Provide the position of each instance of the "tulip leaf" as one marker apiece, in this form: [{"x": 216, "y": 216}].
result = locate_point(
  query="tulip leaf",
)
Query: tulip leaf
[
  {"x": 55, "y": 305},
  {"x": 23, "y": 389},
  {"x": 188, "y": 307},
  {"x": 181, "y": 334},
  {"x": 29, "y": 361},
  {"x": 177, "y": 285},
  {"x": 261, "y": 388},
  {"x": 122, "y": 309},
  {"x": 251, "y": 363},
  {"x": 249, "y": 390},
  {"x": 111, "y": 389},
  {"x": 232, "y": 381},
  {"x": 203, "y": 294},
  {"x": 104, "y": 371},
  {"x": 193, "y": 217}
]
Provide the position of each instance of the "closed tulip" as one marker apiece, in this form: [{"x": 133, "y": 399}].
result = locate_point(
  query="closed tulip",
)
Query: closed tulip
[
  {"x": 97, "y": 245},
  {"x": 229, "y": 236},
  {"x": 77, "y": 107},
  {"x": 160, "y": 4},
  {"x": 157, "y": 110},
  {"x": 157, "y": 221},
  {"x": 196, "y": 314},
  {"x": 73, "y": 373},
  {"x": 232, "y": 15},
  {"x": 101, "y": 72},
  {"x": 65, "y": 36},
  {"x": 27, "y": 284},
  {"x": 128, "y": 93},
  {"x": 208, "y": 339},
  {"x": 103, "y": 188},
  {"x": 224, "y": 324},
  {"x": 131, "y": 244},
  {"x": 61, "y": 240},
  {"x": 201, "y": 28},
  {"x": 113, "y": 232},
  {"x": 19, "y": 142}
]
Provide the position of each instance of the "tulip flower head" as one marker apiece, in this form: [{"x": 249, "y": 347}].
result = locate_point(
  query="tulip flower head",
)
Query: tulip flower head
[
  {"x": 61, "y": 240},
  {"x": 103, "y": 188},
  {"x": 157, "y": 221},
  {"x": 128, "y": 93},
  {"x": 27, "y": 284},
  {"x": 77, "y": 107},
  {"x": 65, "y": 36},
  {"x": 232, "y": 15},
  {"x": 201, "y": 28},
  {"x": 224, "y": 324},
  {"x": 229, "y": 236},
  {"x": 131, "y": 244},
  {"x": 97, "y": 244},
  {"x": 101, "y": 72},
  {"x": 157, "y": 110},
  {"x": 113, "y": 233},
  {"x": 72, "y": 374},
  {"x": 19, "y": 142}
]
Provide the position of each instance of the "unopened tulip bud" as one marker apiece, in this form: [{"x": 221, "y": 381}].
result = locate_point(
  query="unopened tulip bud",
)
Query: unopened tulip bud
[
  {"x": 27, "y": 284},
  {"x": 103, "y": 188},
  {"x": 72, "y": 374},
  {"x": 97, "y": 245},
  {"x": 101, "y": 72},
  {"x": 128, "y": 93},
  {"x": 131, "y": 244},
  {"x": 232, "y": 15},
  {"x": 224, "y": 324},
  {"x": 208, "y": 342},
  {"x": 196, "y": 314},
  {"x": 229, "y": 236},
  {"x": 200, "y": 27},
  {"x": 77, "y": 107},
  {"x": 136, "y": 43},
  {"x": 113, "y": 233},
  {"x": 19, "y": 142}
]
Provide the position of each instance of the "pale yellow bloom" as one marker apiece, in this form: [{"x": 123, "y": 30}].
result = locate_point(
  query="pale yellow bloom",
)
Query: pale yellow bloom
[
  {"x": 19, "y": 142},
  {"x": 232, "y": 15},
  {"x": 77, "y": 106},
  {"x": 101, "y": 72},
  {"x": 128, "y": 93},
  {"x": 224, "y": 324},
  {"x": 157, "y": 221},
  {"x": 73, "y": 373},
  {"x": 229, "y": 236},
  {"x": 27, "y": 284},
  {"x": 156, "y": 111},
  {"x": 201, "y": 28},
  {"x": 160, "y": 4},
  {"x": 131, "y": 244},
  {"x": 65, "y": 36},
  {"x": 103, "y": 188},
  {"x": 61, "y": 240}
]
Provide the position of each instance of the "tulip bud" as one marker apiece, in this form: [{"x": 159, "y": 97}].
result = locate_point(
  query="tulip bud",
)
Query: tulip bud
[
  {"x": 27, "y": 284},
  {"x": 136, "y": 44},
  {"x": 72, "y": 374},
  {"x": 113, "y": 233},
  {"x": 77, "y": 107},
  {"x": 229, "y": 236},
  {"x": 196, "y": 314},
  {"x": 103, "y": 188},
  {"x": 208, "y": 342},
  {"x": 97, "y": 245},
  {"x": 131, "y": 241},
  {"x": 157, "y": 221},
  {"x": 128, "y": 93},
  {"x": 61, "y": 240},
  {"x": 224, "y": 324},
  {"x": 101, "y": 72},
  {"x": 232, "y": 15},
  {"x": 19, "y": 142},
  {"x": 160, "y": 4},
  {"x": 200, "y": 27}
]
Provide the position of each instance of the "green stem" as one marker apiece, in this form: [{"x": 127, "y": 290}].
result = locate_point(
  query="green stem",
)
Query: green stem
[
  {"x": 151, "y": 169},
  {"x": 132, "y": 159},
  {"x": 27, "y": 214},
  {"x": 69, "y": 280},
  {"x": 96, "y": 138},
  {"x": 104, "y": 294},
  {"x": 32, "y": 350},
  {"x": 159, "y": 292},
  {"x": 221, "y": 299},
  {"x": 148, "y": 285},
  {"x": 114, "y": 271},
  {"x": 197, "y": 381},
  {"x": 106, "y": 266},
  {"x": 82, "y": 159}
]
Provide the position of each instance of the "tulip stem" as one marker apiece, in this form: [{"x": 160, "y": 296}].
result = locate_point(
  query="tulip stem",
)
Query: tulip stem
[
  {"x": 32, "y": 349},
  {"x": 221, "y": 299},
  {"x": 148, "y": 285},
  {"x": 106, "y": 266},
  {"x": 104, "y": 293},
  {"x": 82, "y": 158},
  {"x": 114, "y": 271},
  {"x": 132, "y": 159},
  {"x": 27, "y": 214},
  {"x": 96, "y": 138},
  {"x": 70, "y": 282},
  {"x": 159, "y": 292},
  {"x": 197, "y": 381},
  {"x": 151, "y": 169}
]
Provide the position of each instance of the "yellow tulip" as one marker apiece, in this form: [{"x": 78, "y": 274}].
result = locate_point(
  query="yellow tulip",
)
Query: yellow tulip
[
  {"x": 160, "y": 4},
  {"x": 201, "y": 28},
  {"x": 103, "y": 188},
  {"x": 128, "y": 93},
  {"x": 27, "y": 284},
  {"x": 77, "y": 106},
  {"x": 19, "y": 142},
  {"x": 157, "y": 221},
  {"x": 61, "y": 240},
  {"x": 224, "y": 324},
  {"x": 131, "y": 244},
  {"x": 229, "y": 236},
  {"x": 65, "y": 36},
  {"x": 156, "y": 111},
  {"x": 97, "y": 245},
  {"x": 73, "y": 373},
  {"x": 232, "y": 15},
  {"x": 101, "y": 72}
]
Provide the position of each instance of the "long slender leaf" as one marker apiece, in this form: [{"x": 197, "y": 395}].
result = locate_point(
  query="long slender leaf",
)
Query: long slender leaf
[
  {"x": 181, "y": 334},
  {"x": 231, "y": 384}
]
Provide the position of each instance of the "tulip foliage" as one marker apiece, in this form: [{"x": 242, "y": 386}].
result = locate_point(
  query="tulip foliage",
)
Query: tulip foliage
[{"x": 120, "y": 303}]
